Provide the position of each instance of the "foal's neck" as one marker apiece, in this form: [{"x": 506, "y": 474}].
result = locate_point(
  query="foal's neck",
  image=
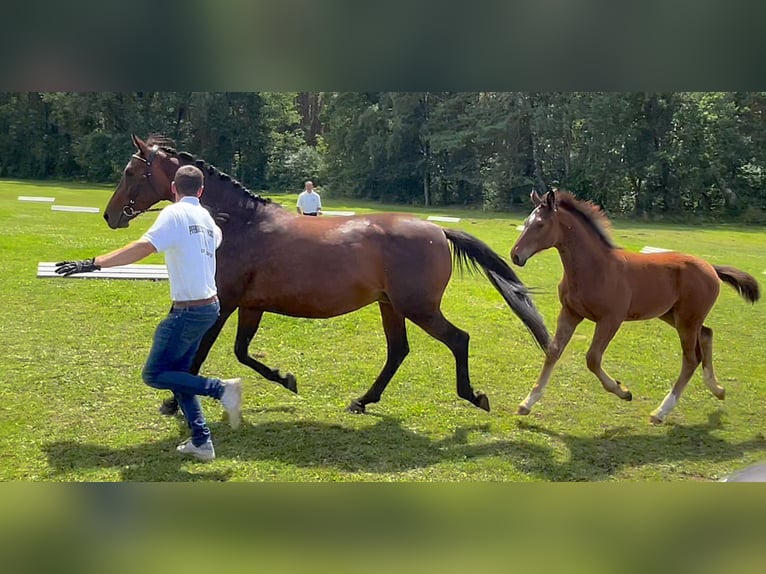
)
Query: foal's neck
[{"x": 583, "y": 254}]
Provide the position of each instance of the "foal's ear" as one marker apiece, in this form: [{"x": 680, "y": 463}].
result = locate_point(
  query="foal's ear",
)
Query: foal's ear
[
  {"x": 550, "y": 200},
  {"x": 536, "y": 199}
]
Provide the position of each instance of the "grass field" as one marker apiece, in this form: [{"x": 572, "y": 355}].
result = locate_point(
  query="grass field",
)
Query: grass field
[{"x": 74, "y": 407}]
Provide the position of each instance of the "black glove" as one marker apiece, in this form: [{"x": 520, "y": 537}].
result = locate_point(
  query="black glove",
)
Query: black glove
[{"x": 70, "y": 267}]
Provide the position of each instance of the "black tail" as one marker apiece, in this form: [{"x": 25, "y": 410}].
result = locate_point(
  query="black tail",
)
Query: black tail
[
  {"x": 744, "y": 283},
  {"x": 468, "y": 250}
]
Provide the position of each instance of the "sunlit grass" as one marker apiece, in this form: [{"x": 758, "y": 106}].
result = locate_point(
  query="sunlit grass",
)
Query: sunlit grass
[{"x": 74, "y": 408}]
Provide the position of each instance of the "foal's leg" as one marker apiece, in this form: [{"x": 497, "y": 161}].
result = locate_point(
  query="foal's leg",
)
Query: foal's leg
[
  {"x": 249, "y": 321},
  {"x": 398, "y": 349},
  {"x": 605, "y": 331},
  {"x": 565, "y": 327},
  {"x": 690, "y": 336},
  {"x": 169, "y": 406},
  {"x": 705, "y": 348},
  {"x": 439, "y": 328},
  {"x": 708, "y": 375}
]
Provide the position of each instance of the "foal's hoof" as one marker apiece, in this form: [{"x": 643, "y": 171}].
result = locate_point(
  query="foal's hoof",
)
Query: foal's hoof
[
  {"x": 290, "y": 383},
  {"x": 721, "y": 395},
  {"x": 628, "y": 396},
  {"x": 169, "y": 407},
  {"x": 655, "y": 419},
  {"x": 356, "y": 408},
  {"x": 522, "y": 410},
  {"x": 481, "y": 401}
]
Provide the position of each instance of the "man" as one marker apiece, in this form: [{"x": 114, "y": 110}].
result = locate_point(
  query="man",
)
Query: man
[
  {"x": 309, "y": 202},
  {"x": 187, "y": 235}
]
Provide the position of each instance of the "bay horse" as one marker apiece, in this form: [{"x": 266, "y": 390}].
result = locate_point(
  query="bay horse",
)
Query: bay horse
[
  {"x": 274, "y": 260},
  {"x": 608, "y": 285}
]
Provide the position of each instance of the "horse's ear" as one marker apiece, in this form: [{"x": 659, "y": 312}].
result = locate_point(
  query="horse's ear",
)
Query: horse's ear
[
  {"x": 140, "y": 145},
  {"x": 536, "y": 199},
  {"x": 550, "y": 200}
]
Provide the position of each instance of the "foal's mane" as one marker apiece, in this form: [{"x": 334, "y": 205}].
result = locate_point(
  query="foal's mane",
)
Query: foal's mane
[
  {"x": 165, "y": 144},
  {"x": 589, "y": 213}
]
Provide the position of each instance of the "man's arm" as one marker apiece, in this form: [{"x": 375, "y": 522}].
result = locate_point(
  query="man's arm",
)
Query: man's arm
[{"x": 131, "y": 253}]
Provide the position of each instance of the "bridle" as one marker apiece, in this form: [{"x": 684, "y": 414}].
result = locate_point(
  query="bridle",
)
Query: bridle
[{"x": 128, "y": 210}]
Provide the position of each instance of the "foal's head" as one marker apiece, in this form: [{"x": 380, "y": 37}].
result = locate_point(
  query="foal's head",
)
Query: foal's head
[
  {"x": 540, "y": 229},
  {"x": 552, "y": 221}
]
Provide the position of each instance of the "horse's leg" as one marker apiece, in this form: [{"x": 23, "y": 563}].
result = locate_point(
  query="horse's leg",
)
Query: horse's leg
[
  {"x": 565, "y": 327},
  {"x": 605, "y": 331},
  {"x": 708, "y": 375},
  {"x": 436, "y": 325},
  {"x": 397, "y": 350},
  {"x": 705, "y": 348},
  {"x": 249, "y": 321},
  {"x": 169, "y": 406},
  {"x": 690, "y": 346}
]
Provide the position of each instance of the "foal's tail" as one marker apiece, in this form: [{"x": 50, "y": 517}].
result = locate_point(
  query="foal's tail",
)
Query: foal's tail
[
  {"x": 469, "y": 250},
  {"x": 744, "y": 283}
]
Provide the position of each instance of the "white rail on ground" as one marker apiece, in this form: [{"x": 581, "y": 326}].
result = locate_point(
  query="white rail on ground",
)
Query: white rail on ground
[
  {"x": 134, "y": 271},
  {"x": 650, "y": 249},
  {"x": 38, "y": 199},
  {"x": 443, "y": 218},
  {"x": 74, "y": 208}
]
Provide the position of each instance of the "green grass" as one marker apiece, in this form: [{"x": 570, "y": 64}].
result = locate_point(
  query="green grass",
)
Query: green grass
[{"x": 73, "y": 406}]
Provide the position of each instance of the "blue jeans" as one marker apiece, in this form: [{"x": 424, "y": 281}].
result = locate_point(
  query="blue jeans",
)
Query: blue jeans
[{"x": 176, "y": 341}]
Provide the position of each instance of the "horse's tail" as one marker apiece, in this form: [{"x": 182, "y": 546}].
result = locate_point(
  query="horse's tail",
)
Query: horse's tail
[
  {"x": 468, "y": 250},
  {"x": 744, "y": 283}
]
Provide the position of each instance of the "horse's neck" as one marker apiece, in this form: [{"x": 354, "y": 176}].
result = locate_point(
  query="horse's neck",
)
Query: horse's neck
[
  {"x": 222, "y": 195},
  {"x": 583, "y": 254}
]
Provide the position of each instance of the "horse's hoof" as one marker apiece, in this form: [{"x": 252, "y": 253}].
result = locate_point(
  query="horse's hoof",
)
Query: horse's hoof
[
  {"x": 168, "y": 407},
  {"x": 356, "y": 408},
  {"x": 522, "y": 410},
  {"x": 655, "y": 419},
  {"x": 290, "y": 383},
  {"x": 628, "y": 396},
  {"x": 721, "y": 395},
  {"x": 481, "y": 401}
]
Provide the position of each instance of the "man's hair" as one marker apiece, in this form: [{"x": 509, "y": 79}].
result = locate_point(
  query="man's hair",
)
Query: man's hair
[{"x": 188, "y": 180}]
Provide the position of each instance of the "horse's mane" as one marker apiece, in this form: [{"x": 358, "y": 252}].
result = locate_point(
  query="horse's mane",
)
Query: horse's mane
[
  {"x": 589, "y": 213},
  {"x": 166, "y": 144}
]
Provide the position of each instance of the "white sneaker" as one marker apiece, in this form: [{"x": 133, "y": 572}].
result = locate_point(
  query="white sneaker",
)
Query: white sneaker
[
  {"x": 231, "y": 399},
  {"x": 203, "y": 452}
]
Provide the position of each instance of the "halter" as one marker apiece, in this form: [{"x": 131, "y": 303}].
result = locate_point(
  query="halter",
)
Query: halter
[{"x": 128, "y": 209}]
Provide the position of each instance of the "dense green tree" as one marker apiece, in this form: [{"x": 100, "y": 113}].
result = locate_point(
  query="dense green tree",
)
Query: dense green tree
[{"x": 645, "y": 154}]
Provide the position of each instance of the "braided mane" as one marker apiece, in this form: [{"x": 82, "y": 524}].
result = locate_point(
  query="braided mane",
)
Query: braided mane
[{"x": 166, "y": 144}]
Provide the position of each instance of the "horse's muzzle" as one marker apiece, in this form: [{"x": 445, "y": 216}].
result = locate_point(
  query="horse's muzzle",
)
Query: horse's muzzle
[
  {"x": 116, "y": 223},
  {"x": 517, "y": 260}
]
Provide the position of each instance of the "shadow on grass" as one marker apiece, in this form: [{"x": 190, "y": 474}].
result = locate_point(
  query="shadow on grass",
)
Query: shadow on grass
[
  {"x": 386, "y": 447},
  {"x": 598, "y": 457}
]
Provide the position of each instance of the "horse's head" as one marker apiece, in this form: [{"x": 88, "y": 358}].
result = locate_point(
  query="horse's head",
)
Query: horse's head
[
  {"x": 540, "y": 231},
  {"x": 145, "y": 181}
]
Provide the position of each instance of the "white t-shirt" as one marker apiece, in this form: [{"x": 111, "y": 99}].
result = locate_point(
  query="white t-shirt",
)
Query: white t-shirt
[
  {"x": 309, "y": 202},
  {"x": 188, "y": 236}
]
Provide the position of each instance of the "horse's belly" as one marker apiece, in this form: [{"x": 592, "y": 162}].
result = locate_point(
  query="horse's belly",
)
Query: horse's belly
[
  {"x": 649, "y": 308},
  {"x": 316, "y": 305}
]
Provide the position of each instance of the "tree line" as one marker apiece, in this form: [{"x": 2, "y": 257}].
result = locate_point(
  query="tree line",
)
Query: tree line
[{"x": 636, "y": 153}]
